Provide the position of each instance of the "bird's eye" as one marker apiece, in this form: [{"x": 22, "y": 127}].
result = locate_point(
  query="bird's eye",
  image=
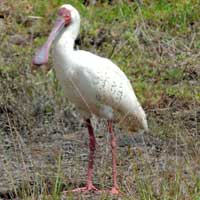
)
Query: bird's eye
[
  {"x": 63, "y": 12},
  {"x": 68, "y": 14}
]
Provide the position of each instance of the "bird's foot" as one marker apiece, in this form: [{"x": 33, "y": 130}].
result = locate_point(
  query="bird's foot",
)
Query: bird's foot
[
  {"x": 115, "y": 190},
  {"x": 86, "y": 189},
  {"x": 92, "y": 188}
]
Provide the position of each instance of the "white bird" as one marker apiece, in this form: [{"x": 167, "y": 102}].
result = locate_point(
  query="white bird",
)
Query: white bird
[{"x": 94, "y": 84}]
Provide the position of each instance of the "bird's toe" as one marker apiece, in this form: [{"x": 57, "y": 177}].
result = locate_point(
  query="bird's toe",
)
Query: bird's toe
[{"x": 115, "y": 191}]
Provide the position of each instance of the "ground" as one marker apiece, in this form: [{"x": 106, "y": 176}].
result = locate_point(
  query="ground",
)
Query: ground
[{"x": 44, "y": 141}]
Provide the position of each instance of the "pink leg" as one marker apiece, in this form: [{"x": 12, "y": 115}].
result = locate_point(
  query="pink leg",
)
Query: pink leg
[
  {"x": 92, "y": 146},
  {"x": 115, "y": 188}
]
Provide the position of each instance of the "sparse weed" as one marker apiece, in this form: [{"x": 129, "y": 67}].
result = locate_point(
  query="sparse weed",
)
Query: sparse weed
[{"x": 156, "y": 43}]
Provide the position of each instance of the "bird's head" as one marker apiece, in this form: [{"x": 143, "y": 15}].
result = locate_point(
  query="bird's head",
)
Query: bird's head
[{"x": 67, "y": 15}]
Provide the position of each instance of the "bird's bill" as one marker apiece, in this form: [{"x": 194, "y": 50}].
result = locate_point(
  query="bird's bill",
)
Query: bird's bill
[{"x": 42, "y": 54}]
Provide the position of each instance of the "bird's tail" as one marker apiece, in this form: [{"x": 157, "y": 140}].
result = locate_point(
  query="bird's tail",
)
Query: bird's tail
[{"x": 137, "y": 121}]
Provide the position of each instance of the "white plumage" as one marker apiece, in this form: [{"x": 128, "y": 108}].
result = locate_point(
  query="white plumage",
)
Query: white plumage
[{"x": 94, "y": 84}]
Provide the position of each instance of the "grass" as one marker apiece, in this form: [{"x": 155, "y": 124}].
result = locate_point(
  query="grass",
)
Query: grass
[{"x": 156, "y": 44}]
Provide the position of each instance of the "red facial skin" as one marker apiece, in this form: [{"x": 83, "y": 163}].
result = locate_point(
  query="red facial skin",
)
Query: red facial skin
[{"x": 64, "y": 12}]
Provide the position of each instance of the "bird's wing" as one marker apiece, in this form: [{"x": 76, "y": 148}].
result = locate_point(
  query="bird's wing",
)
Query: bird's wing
[
  {"x": 106, "y": 83},
  {"x": 106, "y": 91}
]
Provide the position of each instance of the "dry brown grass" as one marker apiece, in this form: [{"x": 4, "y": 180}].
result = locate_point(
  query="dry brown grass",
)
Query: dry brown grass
[{"x": 42, "y": 139}]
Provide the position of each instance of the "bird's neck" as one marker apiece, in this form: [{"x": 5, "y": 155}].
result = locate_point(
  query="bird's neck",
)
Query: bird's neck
[{"x": 67, "y": 37}]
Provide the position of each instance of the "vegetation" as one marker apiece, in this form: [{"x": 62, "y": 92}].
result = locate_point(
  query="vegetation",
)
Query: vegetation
[{"x": 157, "y": 44}]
